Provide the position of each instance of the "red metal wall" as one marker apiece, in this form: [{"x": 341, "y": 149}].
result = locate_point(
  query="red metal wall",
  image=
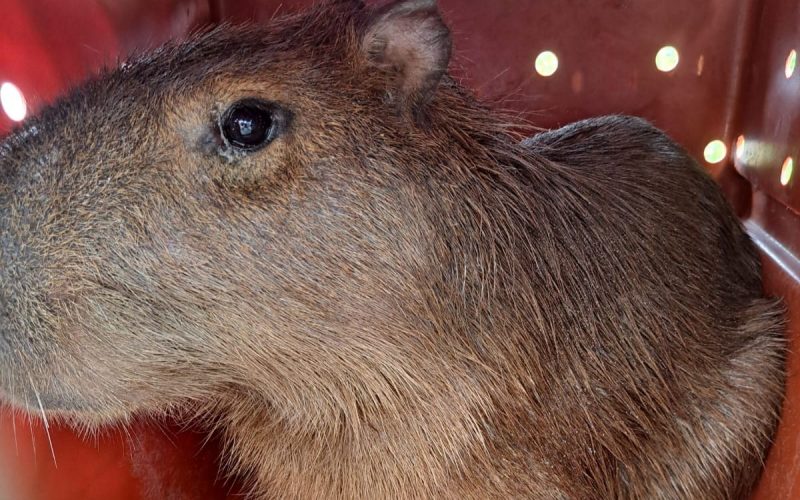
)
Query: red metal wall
[
  {"x": 769, "y": 127},
  {"x": 730, "y": 81}
]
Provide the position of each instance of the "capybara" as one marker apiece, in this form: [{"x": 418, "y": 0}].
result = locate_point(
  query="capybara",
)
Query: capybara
[{"x": 309, "y": 237}]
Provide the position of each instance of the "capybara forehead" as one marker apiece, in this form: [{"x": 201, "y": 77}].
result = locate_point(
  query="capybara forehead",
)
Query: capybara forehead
[{"x": 296, "y": 51}]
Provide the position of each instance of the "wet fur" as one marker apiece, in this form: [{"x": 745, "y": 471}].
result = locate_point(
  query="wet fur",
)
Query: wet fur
[{"x": 397, "y": 299}]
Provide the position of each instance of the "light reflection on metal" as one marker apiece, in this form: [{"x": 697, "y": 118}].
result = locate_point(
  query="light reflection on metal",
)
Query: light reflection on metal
[
  {"x": 741, "y": 143},
  {"x": 786, "y": 171},
  {"x": 577, "y": 82},
  {"x": 752, "y": 154},
  {"x": 715, "y": 151},
  {"x": 779, "y": 254},
  {"x": 546, "y": 63},
  {"x": 791, "y": 64},
  {"x": 701, "y": 65},
  {"x": 667, "y": 59},
  {"x": 13, "y": 102}
]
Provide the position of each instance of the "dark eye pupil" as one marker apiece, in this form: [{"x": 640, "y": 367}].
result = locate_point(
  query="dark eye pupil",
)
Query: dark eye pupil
[{"x": 247, "y": 125}]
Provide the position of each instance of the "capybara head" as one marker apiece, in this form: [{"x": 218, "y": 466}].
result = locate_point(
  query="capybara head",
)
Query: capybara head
[
  {"x": 310, "y": 234},
  {"x": 172, "y": 225}
]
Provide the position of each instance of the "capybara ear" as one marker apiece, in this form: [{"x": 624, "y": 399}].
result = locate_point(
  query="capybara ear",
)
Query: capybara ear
[{"x": 409, "y": 39}]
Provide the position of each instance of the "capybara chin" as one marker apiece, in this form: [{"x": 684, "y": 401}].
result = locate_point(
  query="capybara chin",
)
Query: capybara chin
[{"x": 310, "y": 236}]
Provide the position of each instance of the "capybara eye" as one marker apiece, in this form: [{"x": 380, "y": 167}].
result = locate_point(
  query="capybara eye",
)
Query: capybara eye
[{"x": 250, "y": 124}]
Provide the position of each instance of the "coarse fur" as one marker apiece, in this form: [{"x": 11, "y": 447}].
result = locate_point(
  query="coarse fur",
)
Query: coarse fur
[{"x": 395, "y": 298}]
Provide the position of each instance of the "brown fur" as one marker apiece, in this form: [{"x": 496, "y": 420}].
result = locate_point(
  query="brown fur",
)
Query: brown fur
[{"x": 395, "y": 299}]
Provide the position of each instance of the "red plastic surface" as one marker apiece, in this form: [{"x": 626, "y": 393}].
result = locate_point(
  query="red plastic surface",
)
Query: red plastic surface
[
  {"x": 730, "y": 81},
  {"x": 143, "y": 460}
]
